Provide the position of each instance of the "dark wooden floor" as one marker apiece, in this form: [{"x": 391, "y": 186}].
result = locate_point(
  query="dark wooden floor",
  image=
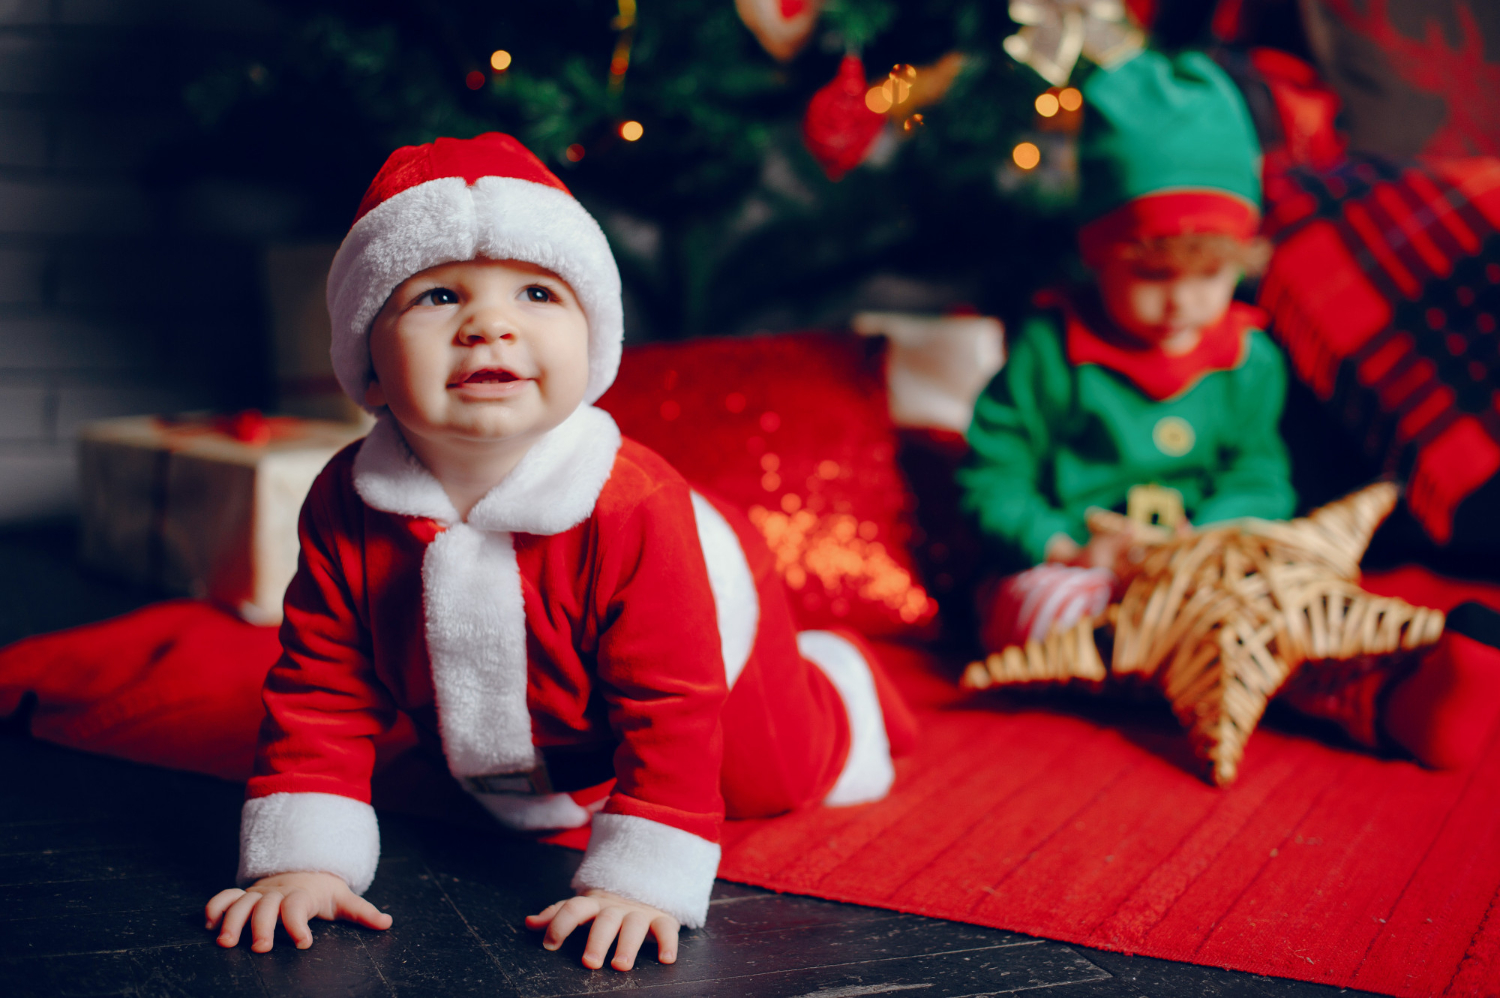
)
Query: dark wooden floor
[{"x": 105, "y": 866}]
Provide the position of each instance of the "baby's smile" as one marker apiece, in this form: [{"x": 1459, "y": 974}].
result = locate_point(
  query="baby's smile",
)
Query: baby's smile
[{"x": 487, "y": 383}]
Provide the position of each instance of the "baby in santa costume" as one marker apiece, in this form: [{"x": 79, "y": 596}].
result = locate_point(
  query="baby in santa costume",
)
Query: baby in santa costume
[{"x": 547, "y": 601}]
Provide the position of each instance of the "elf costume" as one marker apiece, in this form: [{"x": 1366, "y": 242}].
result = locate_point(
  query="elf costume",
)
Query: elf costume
[
  {"x": 1082, "y": 411},
  {"x": 592, "y": 619}
]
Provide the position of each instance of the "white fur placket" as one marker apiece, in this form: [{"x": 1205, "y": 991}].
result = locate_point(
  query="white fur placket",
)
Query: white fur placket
[{"x": 475, "y": 638}]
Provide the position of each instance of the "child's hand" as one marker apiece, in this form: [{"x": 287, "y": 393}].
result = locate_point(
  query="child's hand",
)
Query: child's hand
[
  {"x": 612, "y": 915},
  {"x": 294, "y": 898},
  {"x": 1109, "y": 550}
]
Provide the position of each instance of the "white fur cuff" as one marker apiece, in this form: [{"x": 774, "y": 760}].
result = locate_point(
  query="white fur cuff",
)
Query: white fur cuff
[
  {"x": 868, "y": 772},
  {"x": 652, "y": 863},
  {"x": 309, "y": 833}
]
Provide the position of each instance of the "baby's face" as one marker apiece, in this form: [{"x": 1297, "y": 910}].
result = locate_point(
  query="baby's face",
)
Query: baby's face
[
  {"x": 482, "y": 350},
  {"x": 1157, "y": 305}
]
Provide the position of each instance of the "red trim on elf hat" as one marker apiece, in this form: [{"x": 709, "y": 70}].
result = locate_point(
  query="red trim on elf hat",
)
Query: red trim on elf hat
[
  {"x": 493, "y": 154},
  {"x": 1169, "y": 213}
]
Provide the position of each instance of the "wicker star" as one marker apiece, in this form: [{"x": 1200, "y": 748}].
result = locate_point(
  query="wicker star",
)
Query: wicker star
[{"x": 1221, "y": 618}]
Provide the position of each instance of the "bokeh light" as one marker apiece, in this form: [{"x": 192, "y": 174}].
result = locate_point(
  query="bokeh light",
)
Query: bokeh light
[
  {"x": 574, "y": 152},
  {"x": 1026, "y": 155},
  {"x": 1070, "y": 99},
  {"x": 877, "y": 100},
  {"x": 499, "y": 60},
  {"x": 474, "y": 80},
  {"x": 1047, "y": 105},
  {"x": 630, "y": 131}
]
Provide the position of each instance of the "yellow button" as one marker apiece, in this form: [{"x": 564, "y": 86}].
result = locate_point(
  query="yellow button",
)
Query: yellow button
[{"x": 1173, "y": 436}]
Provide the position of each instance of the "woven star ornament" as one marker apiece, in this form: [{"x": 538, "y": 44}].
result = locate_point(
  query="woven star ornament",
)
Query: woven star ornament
[
  {"x": 1054, "y": 33},
  {"x": 1219, "y": 619}
]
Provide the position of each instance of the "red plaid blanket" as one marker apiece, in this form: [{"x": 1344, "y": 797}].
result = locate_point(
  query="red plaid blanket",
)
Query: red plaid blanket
[{"x": 1385, "y": 291}]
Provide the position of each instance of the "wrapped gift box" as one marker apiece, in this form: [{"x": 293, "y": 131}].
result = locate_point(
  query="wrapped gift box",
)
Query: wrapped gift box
[{"x": 203, "y": 507}]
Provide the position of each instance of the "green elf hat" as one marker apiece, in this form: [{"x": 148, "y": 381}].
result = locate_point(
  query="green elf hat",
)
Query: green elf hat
[{"x": 1168, "y": 148}]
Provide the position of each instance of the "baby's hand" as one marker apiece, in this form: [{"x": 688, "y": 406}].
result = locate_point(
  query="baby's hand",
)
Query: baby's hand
[
  {"x": 612, "y": 915},
  {"x": 294, "y": 898}
]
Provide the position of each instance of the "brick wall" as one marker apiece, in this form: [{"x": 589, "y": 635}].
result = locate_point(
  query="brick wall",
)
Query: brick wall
[{"x": 129, "y": 282}]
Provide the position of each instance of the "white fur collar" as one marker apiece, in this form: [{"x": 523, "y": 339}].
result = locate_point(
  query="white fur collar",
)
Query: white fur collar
[{"x": 552, "y": 489}]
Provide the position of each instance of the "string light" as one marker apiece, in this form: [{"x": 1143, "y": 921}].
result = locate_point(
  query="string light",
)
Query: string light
[
  {"x": 1026, "y": 155},
  {"x": 1047, "y": 105},
  {"x": 630, "y": 131},
  {"x": 499, "y": 60},
  {"x": 894, "y": 89},
  {"x": 898, "y": 85},
  {"x": 474, "y": 80},
  {"x": 619, "y": 63},
  {"x": 574, "y": 152},
  {"x": 1070, "y": 99}
]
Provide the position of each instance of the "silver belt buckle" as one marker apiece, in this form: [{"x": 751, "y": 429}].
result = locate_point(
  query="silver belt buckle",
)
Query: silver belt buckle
[{"x": 534, "y": 783}]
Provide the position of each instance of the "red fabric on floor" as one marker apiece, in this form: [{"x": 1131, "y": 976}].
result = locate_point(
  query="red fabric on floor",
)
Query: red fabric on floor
[
  {"x": 177, "y": 684},
  {"x": 1082, "y": 821},
  {"x": 174, "y": 684},
  {"x": 1089, "y": 825}
]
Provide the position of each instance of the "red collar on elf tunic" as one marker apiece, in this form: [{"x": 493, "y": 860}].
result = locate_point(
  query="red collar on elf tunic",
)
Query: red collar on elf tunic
[{"x": 1092, "y": 338}]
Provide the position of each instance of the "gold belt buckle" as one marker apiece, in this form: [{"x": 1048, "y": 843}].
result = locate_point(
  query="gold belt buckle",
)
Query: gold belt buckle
[
  {"x": 532, "y": 783},
  {"x": 1154, "y": 505}
]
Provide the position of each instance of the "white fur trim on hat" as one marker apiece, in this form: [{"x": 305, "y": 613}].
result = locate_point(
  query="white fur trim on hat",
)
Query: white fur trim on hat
[{"x": 446, "y": 220}]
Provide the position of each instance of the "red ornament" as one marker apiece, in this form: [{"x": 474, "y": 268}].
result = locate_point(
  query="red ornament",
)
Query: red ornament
[{"x": 839, "y": 128}]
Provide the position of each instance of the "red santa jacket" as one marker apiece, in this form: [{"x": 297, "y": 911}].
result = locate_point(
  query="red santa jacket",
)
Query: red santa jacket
[{"x": 570, "y": 619}]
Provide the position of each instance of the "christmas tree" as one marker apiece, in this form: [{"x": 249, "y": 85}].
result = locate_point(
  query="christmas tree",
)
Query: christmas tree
[{"x": 685, "y": 137}]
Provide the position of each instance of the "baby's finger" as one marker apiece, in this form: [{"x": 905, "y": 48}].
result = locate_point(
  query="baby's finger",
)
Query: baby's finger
[
  {"x": 601, "y": 935},
  {"x": 356, "y": 909},
  {"x": 235, "y": 917},
  {"x": 632, "y": 933},
  {"x": 544, "y": 916},
  {"x": 664, "y": 928},
  {"x": 263, "y": 922},
  {"x": 219, "y": 903},
  {"x": 296, "y": 909},
  {"x": 574, "y": 912}
]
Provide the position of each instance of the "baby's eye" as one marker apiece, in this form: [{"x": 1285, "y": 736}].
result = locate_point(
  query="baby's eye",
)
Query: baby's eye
[
  {"x": 537, "y": 293},
  {"x": 438, "y": 296}
]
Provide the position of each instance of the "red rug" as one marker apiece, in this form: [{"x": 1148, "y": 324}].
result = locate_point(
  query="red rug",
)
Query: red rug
[
  {"x": 1069, "y": 818},
  {"x": 1084, "y": 823}
]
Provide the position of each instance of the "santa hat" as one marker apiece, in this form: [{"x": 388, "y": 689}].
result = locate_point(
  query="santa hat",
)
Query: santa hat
[
  {"x": 458, "y": 199},
  {"x": 1168, "y": 148}
]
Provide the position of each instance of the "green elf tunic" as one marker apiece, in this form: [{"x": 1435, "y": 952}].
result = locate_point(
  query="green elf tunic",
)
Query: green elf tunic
[{"x": 1080, "y": 413}]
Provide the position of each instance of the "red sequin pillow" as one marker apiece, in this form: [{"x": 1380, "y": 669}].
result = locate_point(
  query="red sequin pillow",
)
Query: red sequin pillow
[{"x": 794, "y": 430}]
